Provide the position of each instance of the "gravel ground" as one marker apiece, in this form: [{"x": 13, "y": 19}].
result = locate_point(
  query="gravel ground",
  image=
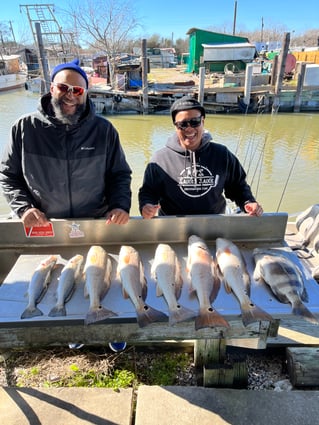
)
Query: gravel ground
[{"x": 48, "y": 367}]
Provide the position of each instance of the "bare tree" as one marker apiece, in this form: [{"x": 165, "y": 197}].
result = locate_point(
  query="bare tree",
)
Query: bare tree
[{"x": 105, "y": 25}]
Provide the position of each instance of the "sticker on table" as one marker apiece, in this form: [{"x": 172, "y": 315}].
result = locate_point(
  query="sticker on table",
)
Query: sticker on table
[
  {"x": 75, "y": 231},
  {"x": 39, "y": 231}
]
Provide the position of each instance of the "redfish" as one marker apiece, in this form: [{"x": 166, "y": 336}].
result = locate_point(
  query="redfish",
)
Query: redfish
[
  {"x": 204, "y": 282},
  {"x": 134, "y": 284},
  {"x": 166, "y": 269},
  {"x": 97, "y": 274},
  {"x": 70, "y": 275},
  {"x": 233, "y": 268},
  {"x": 38, "y": 286}
]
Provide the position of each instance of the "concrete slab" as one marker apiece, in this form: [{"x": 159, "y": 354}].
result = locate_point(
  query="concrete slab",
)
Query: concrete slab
[
  {"x": 207, "y": 406},
  {"x": 59, "y": 406}
]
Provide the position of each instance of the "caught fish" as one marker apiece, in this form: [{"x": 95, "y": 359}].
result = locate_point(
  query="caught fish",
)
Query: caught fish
[
  {"x": 204, "y": 282},
  {"x": 311, "y": 232},
  {"x": 232, "y": 266},
  {"x": 38, "y": 286},
  {"x": 131, "y": 272},
  {"x": 310, "y": 213},
  {"x": 167, "y": 271},
  {"x": 284, "y": 279},
  {"x": 97, "y": 275},
  {"x": 70, "y": 275}
]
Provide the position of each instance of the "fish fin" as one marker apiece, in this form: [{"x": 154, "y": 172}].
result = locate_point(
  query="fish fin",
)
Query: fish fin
[
  {"x": 69, "y": 294},
  {"x": 192, "y": 291},
  {"x": 97, "y": 315},
  {"x": 299, "y": 309},
  {"x": 210, "y": 318},
  {"x": 31, "y": 312},
  {"x": 178, "y": 279},
  {"x": 257, "y": 275},
  {"x": 79, "y": 279},
  {"x": 147, "y": 315},
  {"x": 153, "y": 271},
  {"x": 159, "y": 292},
  {"x": 125, "y": 294},
  {"x": 251, "y": 313},
  {"x": 86, "y": 292},
  {"x": 218, "y": 271},
  {"x": 57, "y": 311},
  {"x": 304, "y": 295},
  {"x": 180, "y": 314},
  {"x": 227, "y": 287},
  {"x": 216, "y": 288},
  {"x": 144, "y": 287}
]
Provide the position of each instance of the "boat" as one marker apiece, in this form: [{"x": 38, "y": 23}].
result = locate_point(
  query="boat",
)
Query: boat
[{"x": 13, "y": 74}]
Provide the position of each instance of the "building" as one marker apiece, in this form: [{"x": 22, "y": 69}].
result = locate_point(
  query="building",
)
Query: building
[{"x": 202, "y": 44}]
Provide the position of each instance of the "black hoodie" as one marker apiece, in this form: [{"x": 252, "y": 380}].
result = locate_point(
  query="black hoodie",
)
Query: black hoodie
[{"x": 186, "y": 183}]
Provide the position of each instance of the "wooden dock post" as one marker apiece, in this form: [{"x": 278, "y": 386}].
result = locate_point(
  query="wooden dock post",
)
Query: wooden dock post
[
  {"x": 301, "y": 78},
  {"x": 144, "y": 78},
  {"x": 201, "y": 85},
  {"x": 303, "y": 366},
  {"x": 280, "y": 75}
]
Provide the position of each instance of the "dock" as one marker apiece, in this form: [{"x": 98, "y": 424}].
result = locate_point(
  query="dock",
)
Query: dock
[{"x": 221, "y": 94}]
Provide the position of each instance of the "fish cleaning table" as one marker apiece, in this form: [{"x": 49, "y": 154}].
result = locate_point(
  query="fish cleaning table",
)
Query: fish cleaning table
[{"x": 20, "y": 254}]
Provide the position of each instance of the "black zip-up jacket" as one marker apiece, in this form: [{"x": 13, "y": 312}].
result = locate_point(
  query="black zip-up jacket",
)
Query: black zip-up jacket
[
  {"x": 187, "y": 183},
  {"x": 65, "y": 171}
]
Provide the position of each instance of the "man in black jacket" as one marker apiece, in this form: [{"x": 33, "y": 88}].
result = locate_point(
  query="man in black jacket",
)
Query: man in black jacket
[
  {"x": 63, "y": 160},
  {"x": 192, "y": 174}
]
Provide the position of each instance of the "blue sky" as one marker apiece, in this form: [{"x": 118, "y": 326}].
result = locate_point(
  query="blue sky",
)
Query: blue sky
[{"x": 173, "y": 18}]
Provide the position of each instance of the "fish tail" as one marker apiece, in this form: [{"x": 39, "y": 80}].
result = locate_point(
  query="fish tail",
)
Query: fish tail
[
  {"x": 209, "y": 318},
  {"x": 251, "y": 313},
  {"x": 299, "y": 309},
  {"x": 57, "y": 310},
  {"x": 148, "y": 315},
  {"x": 180, "y": 314},
  {"x": 98, "y": 314},
  {"x": 31, "y": 312}
]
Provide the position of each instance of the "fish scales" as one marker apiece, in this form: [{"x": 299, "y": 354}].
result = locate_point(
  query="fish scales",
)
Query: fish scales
[
  {"x": 134, "y": 284},
  {"x": 205, "y": 283},
  {"x": 38, "y": 286},
  {"x": 236, "y": 278},
  {"x": 97, "y": 276},
  {"x": 284, "y": 279},
  {"x": 70, "y": 275},
  {"x": 166, "y": 270}
]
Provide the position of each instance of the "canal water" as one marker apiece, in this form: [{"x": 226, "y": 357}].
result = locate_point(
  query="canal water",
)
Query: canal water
[{"x": 280, "y": 153}]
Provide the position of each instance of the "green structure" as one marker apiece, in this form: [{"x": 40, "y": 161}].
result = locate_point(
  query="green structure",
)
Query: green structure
[{"x": 199, "y": 37}]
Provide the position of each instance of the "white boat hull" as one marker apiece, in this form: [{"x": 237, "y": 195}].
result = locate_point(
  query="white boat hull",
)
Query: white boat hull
[{"x": 12, "y": 81}]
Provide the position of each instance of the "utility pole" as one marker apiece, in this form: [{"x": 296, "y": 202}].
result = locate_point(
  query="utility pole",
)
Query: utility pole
[
  {"x": 235, "y": 16},
  {"x": 11, "y": 28},
  {"x": 144, "y": 77},
  {"x": 262, "y": 30}
]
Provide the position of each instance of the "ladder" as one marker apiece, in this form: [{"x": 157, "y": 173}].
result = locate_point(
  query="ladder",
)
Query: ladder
[{"x": 58, "y": 42}]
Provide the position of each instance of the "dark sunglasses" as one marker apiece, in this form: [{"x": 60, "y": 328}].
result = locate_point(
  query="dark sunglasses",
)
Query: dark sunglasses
[
  {"x": 67, "y": 88},
  {"x": 193, "y": 122}
]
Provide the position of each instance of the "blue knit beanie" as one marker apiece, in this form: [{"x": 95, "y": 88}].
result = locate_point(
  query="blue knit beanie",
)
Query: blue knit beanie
[{"x": 74, "y": 65}]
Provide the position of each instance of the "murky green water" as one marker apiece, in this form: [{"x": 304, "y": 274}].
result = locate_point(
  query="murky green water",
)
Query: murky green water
[{"x": 279, "y": 152}]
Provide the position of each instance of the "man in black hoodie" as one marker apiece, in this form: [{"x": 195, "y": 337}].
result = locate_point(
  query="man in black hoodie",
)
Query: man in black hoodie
[{"x": 192, "y": 174}]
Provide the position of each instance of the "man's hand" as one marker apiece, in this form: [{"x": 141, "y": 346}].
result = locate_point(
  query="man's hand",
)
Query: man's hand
[
  {"x": 34, "y": 217},
  {"x": 117, "y": 216},
  {"x": 150, "y": 210},
  {"x": 253, "y": 208}
]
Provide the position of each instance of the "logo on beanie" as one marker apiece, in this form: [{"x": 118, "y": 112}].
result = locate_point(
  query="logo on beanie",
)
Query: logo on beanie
[{"x": 197, "y": 181}]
